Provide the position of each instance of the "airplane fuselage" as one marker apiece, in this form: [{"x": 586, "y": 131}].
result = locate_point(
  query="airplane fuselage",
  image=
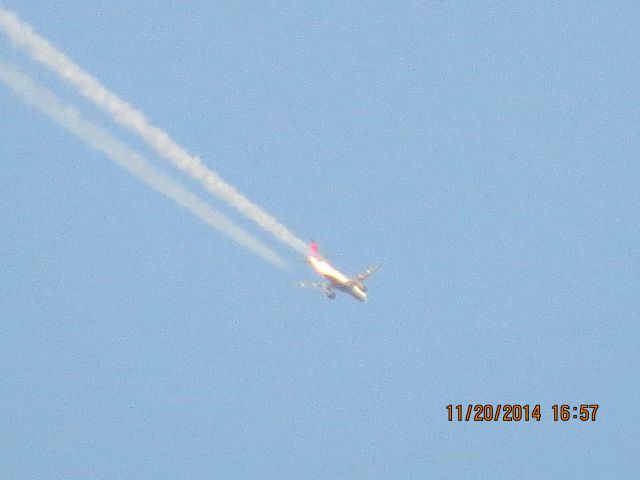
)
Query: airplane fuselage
[
  {"x": 355, "y": 291},
  {"x": 338, "y": 280}
]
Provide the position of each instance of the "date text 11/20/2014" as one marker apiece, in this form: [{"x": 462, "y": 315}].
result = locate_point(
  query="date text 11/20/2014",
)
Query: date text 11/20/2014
[{"x": 516, "y": 412}]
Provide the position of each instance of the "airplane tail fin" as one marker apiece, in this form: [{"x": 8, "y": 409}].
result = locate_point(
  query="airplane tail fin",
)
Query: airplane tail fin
[{"x": 314, "y": 248}]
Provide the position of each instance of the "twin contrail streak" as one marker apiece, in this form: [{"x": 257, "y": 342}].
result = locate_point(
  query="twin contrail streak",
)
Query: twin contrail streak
[
  {"x": 100, "y": 139},
  {"x": 23, "y": 36}
]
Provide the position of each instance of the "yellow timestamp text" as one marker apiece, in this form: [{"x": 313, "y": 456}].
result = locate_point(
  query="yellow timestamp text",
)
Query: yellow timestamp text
[{"x": 516, "y": 412}]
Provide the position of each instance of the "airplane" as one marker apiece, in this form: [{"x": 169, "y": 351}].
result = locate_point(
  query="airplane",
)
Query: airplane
[{"x": 354, "y": 286}]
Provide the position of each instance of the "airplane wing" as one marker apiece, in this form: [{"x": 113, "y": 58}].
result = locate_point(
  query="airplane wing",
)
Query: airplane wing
[
  {"x": 322, "y": 286},
  {"x": 312, "y": 285},
  {"x": 367, "y": 273}
]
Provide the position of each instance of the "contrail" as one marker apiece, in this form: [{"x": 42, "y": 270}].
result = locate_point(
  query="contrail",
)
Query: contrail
[
  {"x": 100, "y": 139},
  {"x": 22, "y": 35}
]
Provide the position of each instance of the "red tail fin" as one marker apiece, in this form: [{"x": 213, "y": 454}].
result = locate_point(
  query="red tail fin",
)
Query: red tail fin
[{"x": 314, "y": 248}]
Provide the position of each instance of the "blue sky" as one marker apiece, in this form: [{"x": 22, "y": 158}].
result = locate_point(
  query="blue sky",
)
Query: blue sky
[{"x": 486, "y": 154}]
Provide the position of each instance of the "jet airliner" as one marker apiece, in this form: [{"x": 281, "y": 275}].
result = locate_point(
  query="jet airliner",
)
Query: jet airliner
[{"x": 337, "y": 280}]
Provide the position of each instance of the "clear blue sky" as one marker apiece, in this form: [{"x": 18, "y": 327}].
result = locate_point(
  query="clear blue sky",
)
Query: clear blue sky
[{"x": 487, "y": 155}]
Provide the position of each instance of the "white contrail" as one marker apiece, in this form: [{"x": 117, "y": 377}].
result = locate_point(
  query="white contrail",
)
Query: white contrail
[
  {"x": 100, "y": 139},
  {"x": 22, "y": 35}
]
